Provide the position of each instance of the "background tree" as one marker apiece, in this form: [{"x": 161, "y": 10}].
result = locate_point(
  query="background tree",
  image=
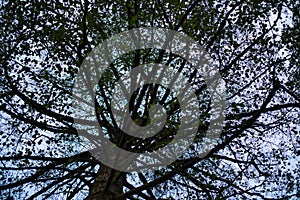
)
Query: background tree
[{"x": 254, "y": 44}]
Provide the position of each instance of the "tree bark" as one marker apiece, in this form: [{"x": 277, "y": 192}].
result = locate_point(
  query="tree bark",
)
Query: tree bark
[{"x": 108, "y": 184}]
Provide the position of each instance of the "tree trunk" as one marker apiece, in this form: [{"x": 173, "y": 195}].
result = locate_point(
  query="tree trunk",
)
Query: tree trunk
[{"x": 108, "y": 184}]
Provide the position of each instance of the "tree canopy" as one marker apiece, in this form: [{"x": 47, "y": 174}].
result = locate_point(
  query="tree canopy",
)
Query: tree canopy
[{"x": 253, "y": 44}]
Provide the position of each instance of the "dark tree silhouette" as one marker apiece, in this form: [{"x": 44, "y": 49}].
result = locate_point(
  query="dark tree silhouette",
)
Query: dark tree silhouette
[{"x": 255, "y": 46}]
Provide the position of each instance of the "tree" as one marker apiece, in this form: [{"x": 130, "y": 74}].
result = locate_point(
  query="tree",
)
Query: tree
[{"x": 252, "y": 43}]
